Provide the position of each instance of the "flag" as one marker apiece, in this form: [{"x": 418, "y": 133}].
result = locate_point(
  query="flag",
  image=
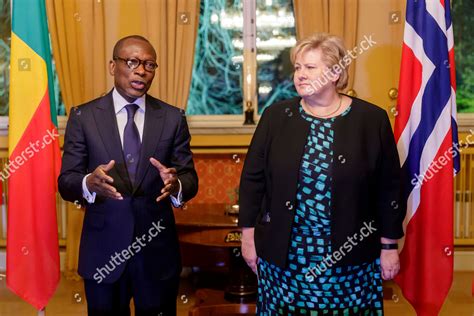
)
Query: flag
[
  {"x": 426, "y": 136},
  {"x": 34, "y": 159}
]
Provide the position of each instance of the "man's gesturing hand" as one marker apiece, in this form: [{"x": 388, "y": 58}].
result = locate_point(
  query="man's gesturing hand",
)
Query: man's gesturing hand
[
  {"x": 169, "y": 177},
  {"x": 100, "y": 183}
]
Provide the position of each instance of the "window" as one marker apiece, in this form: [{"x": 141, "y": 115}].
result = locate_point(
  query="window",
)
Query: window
[
  {"x": 217, "y": 71},
  {"x": 216, "y": 85},
  {"x": 275, "y": 37},
  {"x": 5, "y": 30}
]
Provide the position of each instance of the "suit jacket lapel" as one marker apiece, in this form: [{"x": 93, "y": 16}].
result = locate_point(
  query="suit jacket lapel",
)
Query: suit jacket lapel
[
  {"x": 106, "y": 122},
  {"x": 154, "y": 122}
]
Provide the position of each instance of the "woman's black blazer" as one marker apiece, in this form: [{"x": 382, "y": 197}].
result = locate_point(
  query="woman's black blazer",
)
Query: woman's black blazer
[{"x": 365, "y": 182}]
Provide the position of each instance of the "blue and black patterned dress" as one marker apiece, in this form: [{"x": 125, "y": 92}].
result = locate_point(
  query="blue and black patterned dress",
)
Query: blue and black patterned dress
[{"x": 347, "y": 290}]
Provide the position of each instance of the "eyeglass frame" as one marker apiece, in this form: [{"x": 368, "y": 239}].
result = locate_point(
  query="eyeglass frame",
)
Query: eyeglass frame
[{"x": 140, "y": 62}]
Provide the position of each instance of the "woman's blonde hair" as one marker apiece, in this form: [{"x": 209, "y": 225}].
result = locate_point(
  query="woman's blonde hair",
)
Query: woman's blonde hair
[{"x": 333, "y": 52}]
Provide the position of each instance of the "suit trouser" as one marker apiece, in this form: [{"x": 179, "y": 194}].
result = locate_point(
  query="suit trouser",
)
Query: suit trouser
[{"x": 151, "y": 297}]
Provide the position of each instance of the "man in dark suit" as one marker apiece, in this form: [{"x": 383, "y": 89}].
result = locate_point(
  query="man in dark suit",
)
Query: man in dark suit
[{"x": 126, "y": 157}]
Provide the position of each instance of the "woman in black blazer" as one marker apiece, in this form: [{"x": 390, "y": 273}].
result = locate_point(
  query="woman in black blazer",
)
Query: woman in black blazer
[{"x": 320, "y": 199}]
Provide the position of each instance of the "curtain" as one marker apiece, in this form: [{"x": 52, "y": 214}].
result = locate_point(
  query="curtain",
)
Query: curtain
[
  {"x": 337, "y": 17},
  {"x": 174, "y": 26},
  {"x": 83, "y": 33}
]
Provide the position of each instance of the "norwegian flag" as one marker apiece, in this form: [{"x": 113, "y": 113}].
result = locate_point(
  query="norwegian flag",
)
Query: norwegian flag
[{"x": 426, "y": 136}]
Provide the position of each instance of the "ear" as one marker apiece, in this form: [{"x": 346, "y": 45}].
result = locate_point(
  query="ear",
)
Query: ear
[
  {"x": 112, "y": 67},
  {"x": 336, "y": 71}
]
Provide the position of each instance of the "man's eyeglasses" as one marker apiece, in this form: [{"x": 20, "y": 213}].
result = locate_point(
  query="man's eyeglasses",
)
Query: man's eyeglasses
[{"x": 134, "y": 63}]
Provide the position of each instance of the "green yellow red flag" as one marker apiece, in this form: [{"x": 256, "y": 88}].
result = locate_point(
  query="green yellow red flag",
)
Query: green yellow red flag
[{"x": 34, "y": 159}]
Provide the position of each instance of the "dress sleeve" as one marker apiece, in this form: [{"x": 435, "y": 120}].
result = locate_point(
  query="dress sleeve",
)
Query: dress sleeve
[
  {"x": 391, "y": 205},
  {"x": 252, "y": 181}
]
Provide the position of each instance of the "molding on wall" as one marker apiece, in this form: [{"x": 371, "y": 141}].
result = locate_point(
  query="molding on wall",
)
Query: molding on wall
[
  {"x": 198, "y": 125},
  {"x": 465, "y": 122},
  {"x": 220, "y": 130},
  {"x": 225, "y": 124},
  {"x": 3, "y": 125},
  {"x": 62, "y": 260},
  {"x": 463, "y": 260}
]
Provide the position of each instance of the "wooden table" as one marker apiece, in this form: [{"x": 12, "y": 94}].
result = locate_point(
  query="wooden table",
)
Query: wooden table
[{"x": 208, "y": 225}]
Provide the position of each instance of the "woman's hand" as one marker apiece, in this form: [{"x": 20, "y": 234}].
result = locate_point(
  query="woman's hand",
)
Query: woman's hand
[
  {"x": 390, "y": 263},
  {"x": 248, "y": 248}
]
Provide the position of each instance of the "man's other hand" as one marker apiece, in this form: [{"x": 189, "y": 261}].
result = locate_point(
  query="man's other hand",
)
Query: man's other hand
[
  {"x": 101, "y": 183},
  {"x": 169, "y": 177}
]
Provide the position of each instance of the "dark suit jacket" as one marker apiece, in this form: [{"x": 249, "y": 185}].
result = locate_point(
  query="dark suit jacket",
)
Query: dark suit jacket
[
  {"x": 365, "y": 181},
  {"x": 110, "y": 226}
]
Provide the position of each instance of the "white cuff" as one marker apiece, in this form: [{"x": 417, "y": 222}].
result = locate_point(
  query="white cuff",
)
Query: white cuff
[
  {"x": 90, "y": 197},
  {"x": 178, "y": 200}
]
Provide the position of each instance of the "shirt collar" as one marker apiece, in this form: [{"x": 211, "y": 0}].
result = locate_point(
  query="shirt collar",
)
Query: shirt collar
[{"x": 120, "y": 102}]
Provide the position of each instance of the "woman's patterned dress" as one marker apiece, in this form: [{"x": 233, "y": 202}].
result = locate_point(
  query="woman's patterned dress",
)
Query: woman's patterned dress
[{"x": 347, "y": 290}]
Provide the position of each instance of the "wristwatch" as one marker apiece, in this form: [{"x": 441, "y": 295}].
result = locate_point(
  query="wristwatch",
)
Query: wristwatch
[{"x": 389, "y": 246}]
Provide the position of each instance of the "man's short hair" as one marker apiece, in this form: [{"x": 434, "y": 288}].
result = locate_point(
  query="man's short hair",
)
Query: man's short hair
[{"x": 118, "y": 46}]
